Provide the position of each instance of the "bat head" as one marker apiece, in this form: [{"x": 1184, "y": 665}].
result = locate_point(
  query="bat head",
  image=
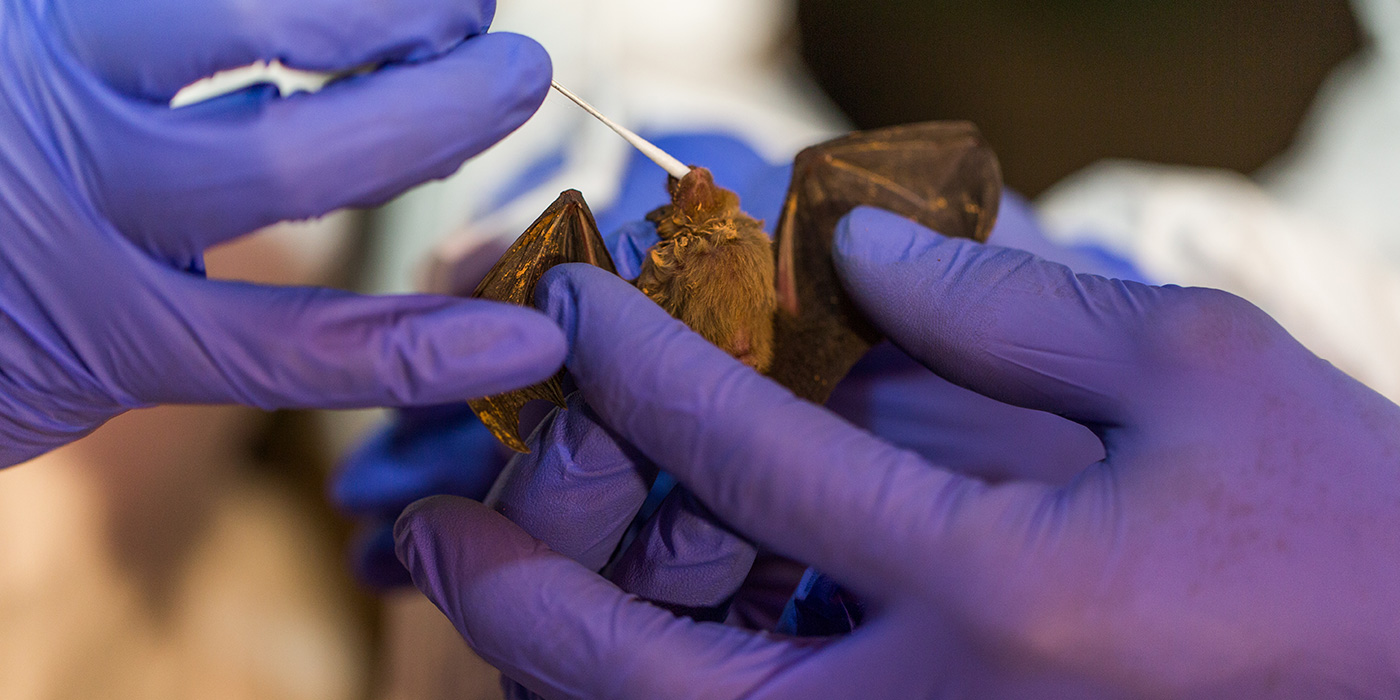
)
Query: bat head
[{"x": 696, "y": 203}]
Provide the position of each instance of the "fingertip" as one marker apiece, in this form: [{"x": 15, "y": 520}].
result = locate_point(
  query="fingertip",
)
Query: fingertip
[
  {"x": 423, "y": 519},
  {"x": 556, "y": 298},
  {"x": 479, "y": 348},
  {"x": 432, "y": 536},
  {"x": 870, "y": 217},
  {"x": 629, "y": 246},
  {"x": 559, "y": 293},
  {"x": 453, "y": 107},
  {"x": 877, "y": 252},
  {"x": 872, "y": 236},
  {"x": 186, "y": 179},
  {"x": 532, "y": 67},
  {"x": 580, "y": 488},
  {"x": 317, "y": 348},
  {"x": 568, "y": 279},
  {"x": 546, "y": 621},
  {"x": 685, "y": 559}
]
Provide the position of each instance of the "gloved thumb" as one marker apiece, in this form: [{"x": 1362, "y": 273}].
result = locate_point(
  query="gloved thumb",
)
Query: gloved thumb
[{"x": 1005, "y": 323}]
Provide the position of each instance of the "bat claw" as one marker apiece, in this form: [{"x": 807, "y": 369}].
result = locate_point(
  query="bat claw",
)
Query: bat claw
[
  {"x": 501, "y": 413},
  {"x": 564, "y": 233}
]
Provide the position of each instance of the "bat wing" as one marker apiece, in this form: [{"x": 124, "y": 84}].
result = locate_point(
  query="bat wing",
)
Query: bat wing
[
  {"x": 940, "y": 174},
  {"x": 564, "y": 233}
]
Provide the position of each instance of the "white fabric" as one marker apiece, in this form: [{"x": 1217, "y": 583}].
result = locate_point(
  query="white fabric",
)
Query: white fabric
[
  {"x": 652, "y": 65},
  {"x": 1326, "y": 285}
]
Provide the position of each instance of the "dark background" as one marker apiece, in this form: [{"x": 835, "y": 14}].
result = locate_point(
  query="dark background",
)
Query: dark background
[{"x": 1058, "y": 84}]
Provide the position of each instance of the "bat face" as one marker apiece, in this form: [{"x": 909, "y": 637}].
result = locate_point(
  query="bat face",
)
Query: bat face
[
  {"x": 780, "y": 307},
  {"x": 713, "y": 269}
]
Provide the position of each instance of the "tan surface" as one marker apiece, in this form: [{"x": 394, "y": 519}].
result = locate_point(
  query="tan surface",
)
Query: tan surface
[{"x": 149, "y": 599}]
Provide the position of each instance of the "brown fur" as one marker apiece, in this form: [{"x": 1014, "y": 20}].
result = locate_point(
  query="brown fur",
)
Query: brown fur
[{"x": 713, "y": 269}]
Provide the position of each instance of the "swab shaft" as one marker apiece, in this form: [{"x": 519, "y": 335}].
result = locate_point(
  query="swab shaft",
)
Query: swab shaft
[{"x": 667, "y": 162}]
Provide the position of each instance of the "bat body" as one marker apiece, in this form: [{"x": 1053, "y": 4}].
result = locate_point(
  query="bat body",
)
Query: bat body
[
  {"x": 713, "y": 269},
  {"x": 779, "y": 307}
]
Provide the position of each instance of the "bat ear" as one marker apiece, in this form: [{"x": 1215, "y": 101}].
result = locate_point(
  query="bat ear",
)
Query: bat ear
[
  {"x": 673, "y": 183},
  {"x": 689, "y": 188},
  {"x": 700, "y": 199}
]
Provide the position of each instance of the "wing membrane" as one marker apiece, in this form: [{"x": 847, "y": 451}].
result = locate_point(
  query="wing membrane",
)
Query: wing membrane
[
  {"x": 941, "y": 174},
  {"x": 565, "y": 233}
]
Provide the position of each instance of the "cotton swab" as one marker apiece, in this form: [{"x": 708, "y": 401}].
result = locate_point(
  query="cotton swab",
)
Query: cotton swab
[{"x": 667, "y": 162}]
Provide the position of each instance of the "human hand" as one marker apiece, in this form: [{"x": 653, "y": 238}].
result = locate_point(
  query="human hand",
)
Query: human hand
[
  {"x": 887, "y": 392},
  {"x": 1241, "y": 538},
  {"x": 108, "y": 199},
  {"x": 446, "y": 451}
]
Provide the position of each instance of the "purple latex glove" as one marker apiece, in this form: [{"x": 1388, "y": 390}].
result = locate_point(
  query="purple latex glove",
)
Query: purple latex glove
[
  {"x": 900, "y": 400},
  {"x": 447, "y": 451},
  {"x": 1241, "y": 539},
  {"x": 108, "y": 199}
]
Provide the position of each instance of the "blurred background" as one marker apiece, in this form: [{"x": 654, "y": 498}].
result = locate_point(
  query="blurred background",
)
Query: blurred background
[
  {"x": 1056, "y": 86},
  {"x": 1250, "y": 145}
]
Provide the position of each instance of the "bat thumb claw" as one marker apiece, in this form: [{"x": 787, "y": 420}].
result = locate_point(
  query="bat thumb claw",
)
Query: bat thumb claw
[{"x": 501, "y": 413}]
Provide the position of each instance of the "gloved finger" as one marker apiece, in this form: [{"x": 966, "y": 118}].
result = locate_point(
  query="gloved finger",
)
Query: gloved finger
[
  {"x": 578, "y": 489},
  {"x": 436, "y": 450},
  {"x": 152, "y": 48},
  {"x": 276, "y": 347},
  {"x": 790, "y": 474},
  {"x": 1002, "y": 322},
  {"x": 685, "y": 560},
  {"x": 629, "y": 246},
  {"x": 179, "y": 181},
  {"x": 906, "y": 404},
  {"x": 563, "y": 631}
]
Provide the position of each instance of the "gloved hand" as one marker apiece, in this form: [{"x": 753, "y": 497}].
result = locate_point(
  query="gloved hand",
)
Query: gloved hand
[
  {"x": 447, "y": 452},
  {"x": 1241, "y": 538},
  {"x": 108, "y": 199}
]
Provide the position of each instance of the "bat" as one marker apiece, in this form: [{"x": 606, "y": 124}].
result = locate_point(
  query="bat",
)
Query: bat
[{"x": 778, "y": 307}]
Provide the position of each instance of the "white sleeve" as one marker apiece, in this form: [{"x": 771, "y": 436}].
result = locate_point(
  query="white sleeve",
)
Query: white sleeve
[{"x": 1335, "y": 290}]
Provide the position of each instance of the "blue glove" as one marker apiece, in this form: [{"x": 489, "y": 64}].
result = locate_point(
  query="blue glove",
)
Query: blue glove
[
  {"x": 581, "y": 486},
  {"x": 887, "y": 393},
  {"x": 108, "y": 199},
  {"x": 1241, "y": 538},
  {"x": 446, "y": 450}
]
